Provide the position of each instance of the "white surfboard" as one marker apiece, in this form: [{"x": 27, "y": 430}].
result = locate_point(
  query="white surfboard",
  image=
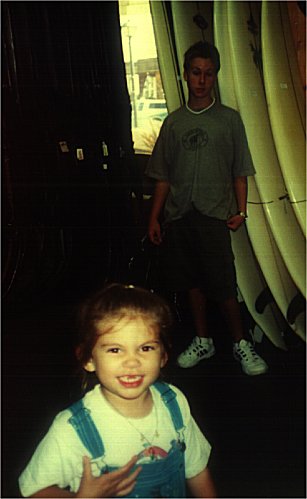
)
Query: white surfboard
[
  {"x": 275, "y": 273},
  {"x": 250, "y": 279},
  {"x": 187, "y": 30},
  {"x": 272, "y": 265},
  {"x": 166, "y": 56},
  {"x": 297, "y": 33},
  {"x": 284, "y": 111},
  {"x": 250, "y": 96},
  {"x": 294, "y": 30},
  {"x": 266, "y": 251}
]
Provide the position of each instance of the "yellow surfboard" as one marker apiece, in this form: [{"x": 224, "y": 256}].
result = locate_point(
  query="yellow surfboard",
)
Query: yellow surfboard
[
  {"x": 250, "y": 278},
  {"x": 243, "y": 28},
  {"x": 283, "y": 106},
  {"x": 275, "y": 273},
  {"x": 192, "y": 22},
  {"x": 166, "y": 56}
]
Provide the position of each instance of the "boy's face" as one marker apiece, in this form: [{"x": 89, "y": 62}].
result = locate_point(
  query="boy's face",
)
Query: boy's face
[
  {"x": 200, "y": 77},
  {"x": 127, "y": 360}
]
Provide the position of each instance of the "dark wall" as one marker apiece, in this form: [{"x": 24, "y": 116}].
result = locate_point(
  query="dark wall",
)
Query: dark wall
[{"x": 64, "y": 220}]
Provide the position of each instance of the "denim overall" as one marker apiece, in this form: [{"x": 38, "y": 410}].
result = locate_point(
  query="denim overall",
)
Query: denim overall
[{"x": 161, "y": 478}]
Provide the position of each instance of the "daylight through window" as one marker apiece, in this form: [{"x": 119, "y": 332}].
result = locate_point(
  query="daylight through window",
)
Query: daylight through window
[{"x": 144, "y": 83}]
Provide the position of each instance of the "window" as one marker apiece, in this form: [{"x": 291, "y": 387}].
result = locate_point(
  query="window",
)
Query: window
[{"x": 144, "y": 83}]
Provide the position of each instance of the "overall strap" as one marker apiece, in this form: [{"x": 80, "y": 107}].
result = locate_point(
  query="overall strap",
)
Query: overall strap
[
  {"x": 85, "y": 427},
  {"x": 169, "y": 398}
]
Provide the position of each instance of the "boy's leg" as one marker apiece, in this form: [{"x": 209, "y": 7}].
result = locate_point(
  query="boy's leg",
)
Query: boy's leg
[
  {"x": 231, "y": 311},
  {"x": 198, "y": 306},
  {"x": 243, "y": 351},
  {"x": 202, "y": 346}
]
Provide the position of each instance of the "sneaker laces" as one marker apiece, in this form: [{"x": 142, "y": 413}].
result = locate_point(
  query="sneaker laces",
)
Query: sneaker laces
[
  {"x": 247, "y": 352},
  {"x": 196, "y": 347}
]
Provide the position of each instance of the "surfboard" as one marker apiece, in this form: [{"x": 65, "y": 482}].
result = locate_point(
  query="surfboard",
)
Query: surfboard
[
  {"x": 297, "y": 32},
  {"x": 275, "y": 273},
  {"x": 294, "y": 30},
  {"x": 279, "y": 281},
  {"x": 249, "y": 276},
  {"x": 188, "y": 20},
  {"x": 283, "y": 106},
  {"x": 266, "y": 251},
  {"x": 166, "y": 56},
  {"x": 243, "y": 29}
]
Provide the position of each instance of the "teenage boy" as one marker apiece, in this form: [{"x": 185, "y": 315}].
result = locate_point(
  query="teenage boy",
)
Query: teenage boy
[{"x": 200, "y": 162}]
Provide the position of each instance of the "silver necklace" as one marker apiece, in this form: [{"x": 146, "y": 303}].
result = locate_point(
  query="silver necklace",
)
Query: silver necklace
[
  {"x": 146, "y": 441},
  {"x": 202, "y": 110}
]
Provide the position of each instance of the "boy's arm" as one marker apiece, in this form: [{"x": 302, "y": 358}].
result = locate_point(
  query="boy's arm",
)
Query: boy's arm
[
  {"x": 240, "y": 188},
  {"x": 159, "y": 197},
  {"x": 202, "y": 485}
]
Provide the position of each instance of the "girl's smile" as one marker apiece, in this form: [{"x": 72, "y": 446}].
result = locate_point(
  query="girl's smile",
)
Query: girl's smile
[{"x": 131, "y": 381}]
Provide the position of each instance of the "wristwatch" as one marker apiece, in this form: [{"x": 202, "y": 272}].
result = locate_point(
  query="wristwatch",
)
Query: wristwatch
[{"x": 242, "y": 214}]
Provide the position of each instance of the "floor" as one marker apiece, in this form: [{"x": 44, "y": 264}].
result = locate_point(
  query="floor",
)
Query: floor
[{"x": 256, "y": 425}]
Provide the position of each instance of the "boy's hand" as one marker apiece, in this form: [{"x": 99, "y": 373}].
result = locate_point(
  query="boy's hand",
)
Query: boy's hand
[
  {"x": 117, "y": 483},
  {"x": 235, "y": 221},
  {"x": 154, "y": 232}
]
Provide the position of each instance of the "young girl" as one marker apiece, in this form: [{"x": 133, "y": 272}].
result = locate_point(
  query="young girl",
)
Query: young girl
[{"x": 131, "y": 435}]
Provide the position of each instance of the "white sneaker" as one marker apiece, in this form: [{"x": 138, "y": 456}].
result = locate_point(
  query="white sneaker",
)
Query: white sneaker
[
  {"x": 200, "y": 348},
  {"x": 251, "y": 363}
]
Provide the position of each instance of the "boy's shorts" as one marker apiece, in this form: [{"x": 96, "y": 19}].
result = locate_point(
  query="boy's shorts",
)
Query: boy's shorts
[{"x": 196, "y": 253}]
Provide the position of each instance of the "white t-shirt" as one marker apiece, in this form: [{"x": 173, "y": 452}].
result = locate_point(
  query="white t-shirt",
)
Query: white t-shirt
[{"x": 58, "y": 458}]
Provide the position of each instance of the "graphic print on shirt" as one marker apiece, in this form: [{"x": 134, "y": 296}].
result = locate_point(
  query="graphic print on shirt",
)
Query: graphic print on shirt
[
  {"x": 150, "y": 454},
  {"x": 195, "y": 138}
]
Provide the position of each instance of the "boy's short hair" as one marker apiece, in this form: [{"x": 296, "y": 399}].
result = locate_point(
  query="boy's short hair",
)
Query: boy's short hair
[{"x": 205, "y": 50}]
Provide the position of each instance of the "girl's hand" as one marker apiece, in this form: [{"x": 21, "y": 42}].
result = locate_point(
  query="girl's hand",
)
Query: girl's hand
[{"x": 117, "y": 483}]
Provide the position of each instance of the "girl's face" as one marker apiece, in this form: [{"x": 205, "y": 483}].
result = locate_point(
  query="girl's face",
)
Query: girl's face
[{"x": 127, "y": 360}]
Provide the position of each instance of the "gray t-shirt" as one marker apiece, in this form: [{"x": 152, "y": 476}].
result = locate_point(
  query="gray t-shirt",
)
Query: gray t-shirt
[{"x": 200, "y": 154}]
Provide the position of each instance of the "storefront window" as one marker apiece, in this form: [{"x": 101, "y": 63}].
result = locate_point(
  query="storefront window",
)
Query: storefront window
[{"x": 148, "y": 105}]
